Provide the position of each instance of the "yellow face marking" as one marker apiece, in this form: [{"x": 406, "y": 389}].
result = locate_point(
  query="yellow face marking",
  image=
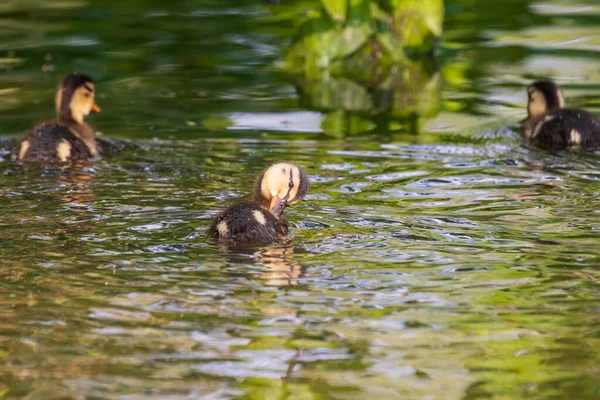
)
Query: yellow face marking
[
  {"x": 223, "y": 229},
  {"x": 276, "y": 181},
  {"x": 537, "y": 104},
  {"x": 259, "y": 217},
  {"x": 63, "y": 150},
  {"x": 23, "y": 150},
  {"x": 83, "y": 102},
  {"x": 89, "y": 86}
]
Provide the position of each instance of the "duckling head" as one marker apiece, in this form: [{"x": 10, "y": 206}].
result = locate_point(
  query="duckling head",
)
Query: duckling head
[
  {"x": 280, "y": 185},
  {"x": 544, "y": 97},
  {"x": 76, "y": 98}
]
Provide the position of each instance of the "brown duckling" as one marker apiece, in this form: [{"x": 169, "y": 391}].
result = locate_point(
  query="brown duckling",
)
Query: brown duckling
[
  {"x": 69, "y": 137},
  {"x": 552, "y": 127},
  {"x": 262, "y": 220}
]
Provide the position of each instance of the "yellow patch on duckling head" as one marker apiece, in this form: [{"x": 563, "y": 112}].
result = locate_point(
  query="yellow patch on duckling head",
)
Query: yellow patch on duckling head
[
  {"x": 281, "y": 180},
  {"x": 63, "y": 150},
  {"x": 544, "y": 97},
  {"x": 259, "y": 217},
  {"x": 537, "y": 105},
  {"x": 223, "y": 229},
  {"x": 83, "y": 102},
  {"x": 23, "y": 150}
]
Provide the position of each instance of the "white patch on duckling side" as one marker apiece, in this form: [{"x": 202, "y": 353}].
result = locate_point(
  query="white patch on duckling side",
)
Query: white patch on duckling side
[
  {"x": 574, "y": 138},
  {"x": 23, "y": 150},
  {"x": 63, "y": 150},
  {"x": 223, "y": 229},
  {"x": 259, "y": 217}
]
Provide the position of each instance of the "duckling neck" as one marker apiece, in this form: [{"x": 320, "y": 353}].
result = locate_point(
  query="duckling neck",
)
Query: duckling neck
[
  {"x": 261, "y": 202},
  {"x": 264, "y": 204},
  {"x": 530, "y": 124},
  {"x": 86, "y": 133}
]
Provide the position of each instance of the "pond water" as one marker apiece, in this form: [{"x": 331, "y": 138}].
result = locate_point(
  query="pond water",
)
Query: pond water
[{"x": 435, "y": 257}]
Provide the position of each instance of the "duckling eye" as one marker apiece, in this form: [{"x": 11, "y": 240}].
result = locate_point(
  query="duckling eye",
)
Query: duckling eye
[
  {"x": 86, "y": 95},
  {"x": 291, "y": 185}
]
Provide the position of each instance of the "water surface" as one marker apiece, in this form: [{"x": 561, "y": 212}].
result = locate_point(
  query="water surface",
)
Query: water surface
[{"x": 434, "y": 258}]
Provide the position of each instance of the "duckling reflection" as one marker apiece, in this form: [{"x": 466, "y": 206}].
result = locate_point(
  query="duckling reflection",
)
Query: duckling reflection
[
  {"x": 68, "y": 137},
  {"x": 280, "y": 268},
  {"x": 78, "y": 179},
  {"x": 551, "y": 126},
  {"x": 76, "y": 191},
  {"x": 72, "y": 183},
  {"x": 397, "y": 99}
]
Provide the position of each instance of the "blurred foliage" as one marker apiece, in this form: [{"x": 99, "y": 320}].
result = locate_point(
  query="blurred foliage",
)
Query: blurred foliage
[
  {"x": 365, "y": 33},
  {"x": 359, "y": 60}
]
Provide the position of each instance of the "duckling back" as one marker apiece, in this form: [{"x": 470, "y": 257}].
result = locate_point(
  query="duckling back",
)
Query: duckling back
[
  {"x": 248, "y": 222},
  {"x": 50, "y": 142},
  {"x": 567, "y": 129}
]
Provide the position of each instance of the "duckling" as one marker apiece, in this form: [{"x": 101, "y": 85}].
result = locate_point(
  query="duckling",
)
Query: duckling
[
  {"x": 552, "y": 127},
  {"x": 262, "y": 220},
  {"x": 69, "y": 137}
]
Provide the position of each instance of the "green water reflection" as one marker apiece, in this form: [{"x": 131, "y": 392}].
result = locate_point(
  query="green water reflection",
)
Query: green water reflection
[{"x": 435, "y": 257}]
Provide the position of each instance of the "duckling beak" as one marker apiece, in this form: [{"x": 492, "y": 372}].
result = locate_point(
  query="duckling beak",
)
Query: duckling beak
[
  {"x": 95, "y": 109},
  {"x": 275, "y": 205}
]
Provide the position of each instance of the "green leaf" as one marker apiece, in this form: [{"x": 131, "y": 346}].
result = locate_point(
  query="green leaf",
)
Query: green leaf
[
  {"x": 350, "y": 39},
  {"x": 390, "y": 44},
  {"x": 359, "y": 12},
  {"x": 375, "y": 36},
  {"x": 417, "y": 22},
  {"x": 321, "y": 42},
  {"x": 337, "y": 9}
]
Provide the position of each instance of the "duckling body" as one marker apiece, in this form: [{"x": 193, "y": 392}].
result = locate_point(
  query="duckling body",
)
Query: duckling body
[
  {"x": 248, "y": 222},
  {"x": 69, "y": 137},
  {"x": 552, "y": 127},
  {"x": 262, "y": 219},
  {"x": 51, "y": 142},
  {"x": 568, "y": 129}
]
